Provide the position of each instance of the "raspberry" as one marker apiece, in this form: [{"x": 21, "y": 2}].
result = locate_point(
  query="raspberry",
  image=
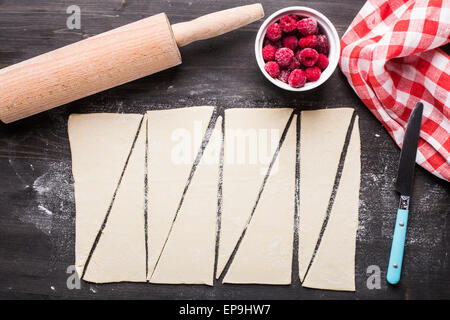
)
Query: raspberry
[
  {"x": 308, "y": 41},
  {"x": 284, "y": 75},
  {"x": 294, "y": 64},
  {"x": 322, "y": 61},
  {"x": 313, "y": 73},
  {"x": 295, "y": 17},
  {"x": 307, "y": 26},
  {"x": 290, "y": 42},
  {"x": 268, "y": 52},
  {"x": 273, "y": 32},
  {"x": 308, "y": 57},
  {"x": 272, "y": 68},
  {"x": 288, "y": 24},
  {"x": 322, "y": 44},
  {"x": 283, "y": 56},
  {"x": 297, "y": 78}
]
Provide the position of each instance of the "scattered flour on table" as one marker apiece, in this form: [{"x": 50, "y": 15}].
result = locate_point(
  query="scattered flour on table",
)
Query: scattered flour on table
[
  {"x": 51, "y": 208},
  {"x": 45, "y": 210},
  {"x": 46, "y": 190}
]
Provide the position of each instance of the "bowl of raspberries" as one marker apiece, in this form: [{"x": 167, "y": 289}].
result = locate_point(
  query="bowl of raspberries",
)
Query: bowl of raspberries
[{"x": 297, "y": 48}]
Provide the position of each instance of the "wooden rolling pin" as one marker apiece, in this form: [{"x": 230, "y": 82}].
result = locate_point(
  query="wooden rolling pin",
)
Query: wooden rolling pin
[{"x": 107, "y": 60}]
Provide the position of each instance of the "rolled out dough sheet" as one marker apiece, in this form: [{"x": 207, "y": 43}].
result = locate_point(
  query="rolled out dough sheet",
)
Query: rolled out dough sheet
[
  {"x": 265, "y": 253},
  {"x": 322, "y": 137},
  {"x": 174, "y": 139},
  {"x": 95, "y": 139},
  {"x": 189, "y": 254},
  {"x": 251, "y": 139},
  {"x": 333, "y": 267},
  {"x": 120, "y": 252}
]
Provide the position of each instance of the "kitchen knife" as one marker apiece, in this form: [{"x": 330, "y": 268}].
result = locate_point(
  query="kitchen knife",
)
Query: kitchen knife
[{"x": 403, "y": 185}]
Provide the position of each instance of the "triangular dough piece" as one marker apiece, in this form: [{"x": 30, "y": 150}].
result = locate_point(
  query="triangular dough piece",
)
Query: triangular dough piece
[
  {"x": 265, "y": 253},
  {"x": 251, "y": 139},
  {"x": 120, "y": 252},
  {"x": 174, "y": 139},
  {"x": 322, "y": 137},
  {"x": 188, "y": 256},
  {"x": 100, "y": 144},
  {"x": 333, "y": 267}
]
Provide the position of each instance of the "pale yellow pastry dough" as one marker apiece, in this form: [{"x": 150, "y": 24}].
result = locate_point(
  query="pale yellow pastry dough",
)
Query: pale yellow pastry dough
[
  {"x": 188, "y": 256},
  {"x": 101, "y": 144},
  {"x": 95, "y": 139},
  {"x": 251, "y": 138},
  {"x": 174, "y": 138},
  {"x": 333, "y": 267},
  {"x": 265, "y": 253},
  {"x": 322, "y": 137},
  {"x": 120, "y": 253}
]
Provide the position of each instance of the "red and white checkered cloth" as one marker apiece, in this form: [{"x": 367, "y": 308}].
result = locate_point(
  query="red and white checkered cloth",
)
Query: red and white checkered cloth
[{"x": 391, "y": 57}]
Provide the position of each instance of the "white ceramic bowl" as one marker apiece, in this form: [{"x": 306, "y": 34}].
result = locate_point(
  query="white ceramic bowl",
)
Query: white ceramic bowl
[{"x": 325, "y": 27}]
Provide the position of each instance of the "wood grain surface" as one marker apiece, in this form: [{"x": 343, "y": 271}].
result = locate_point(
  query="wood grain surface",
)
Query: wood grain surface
[{"x": 36, "y": 189}]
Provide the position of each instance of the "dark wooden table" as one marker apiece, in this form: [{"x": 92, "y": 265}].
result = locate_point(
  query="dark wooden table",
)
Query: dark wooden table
[{"x": 36, "y": 186}]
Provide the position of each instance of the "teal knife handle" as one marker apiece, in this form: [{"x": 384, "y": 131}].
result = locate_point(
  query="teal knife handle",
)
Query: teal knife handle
[{"x": 398, "y": 245}]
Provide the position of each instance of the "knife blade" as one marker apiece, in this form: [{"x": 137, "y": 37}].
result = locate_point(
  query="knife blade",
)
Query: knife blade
[
  {"x": 403, "y": 185},
  {"x": 409, "y": 150}
]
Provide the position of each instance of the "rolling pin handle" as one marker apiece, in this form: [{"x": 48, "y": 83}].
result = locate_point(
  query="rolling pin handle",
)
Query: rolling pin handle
[{"x": 215, "y": 24}]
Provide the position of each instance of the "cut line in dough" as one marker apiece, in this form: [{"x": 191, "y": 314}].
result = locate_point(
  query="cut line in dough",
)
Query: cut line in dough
[
  {"x": 120, "y": 252},
  {"x": 174, "y": 139},
  {"x": 333, "y": 267},
  {"x": 322, "y": 138},
  {"x": 251, "y": 139},
  {"x": 265, "y": 253},
  {"x": 188, "y": 257},
  {"x": 95, "y": 139}
]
